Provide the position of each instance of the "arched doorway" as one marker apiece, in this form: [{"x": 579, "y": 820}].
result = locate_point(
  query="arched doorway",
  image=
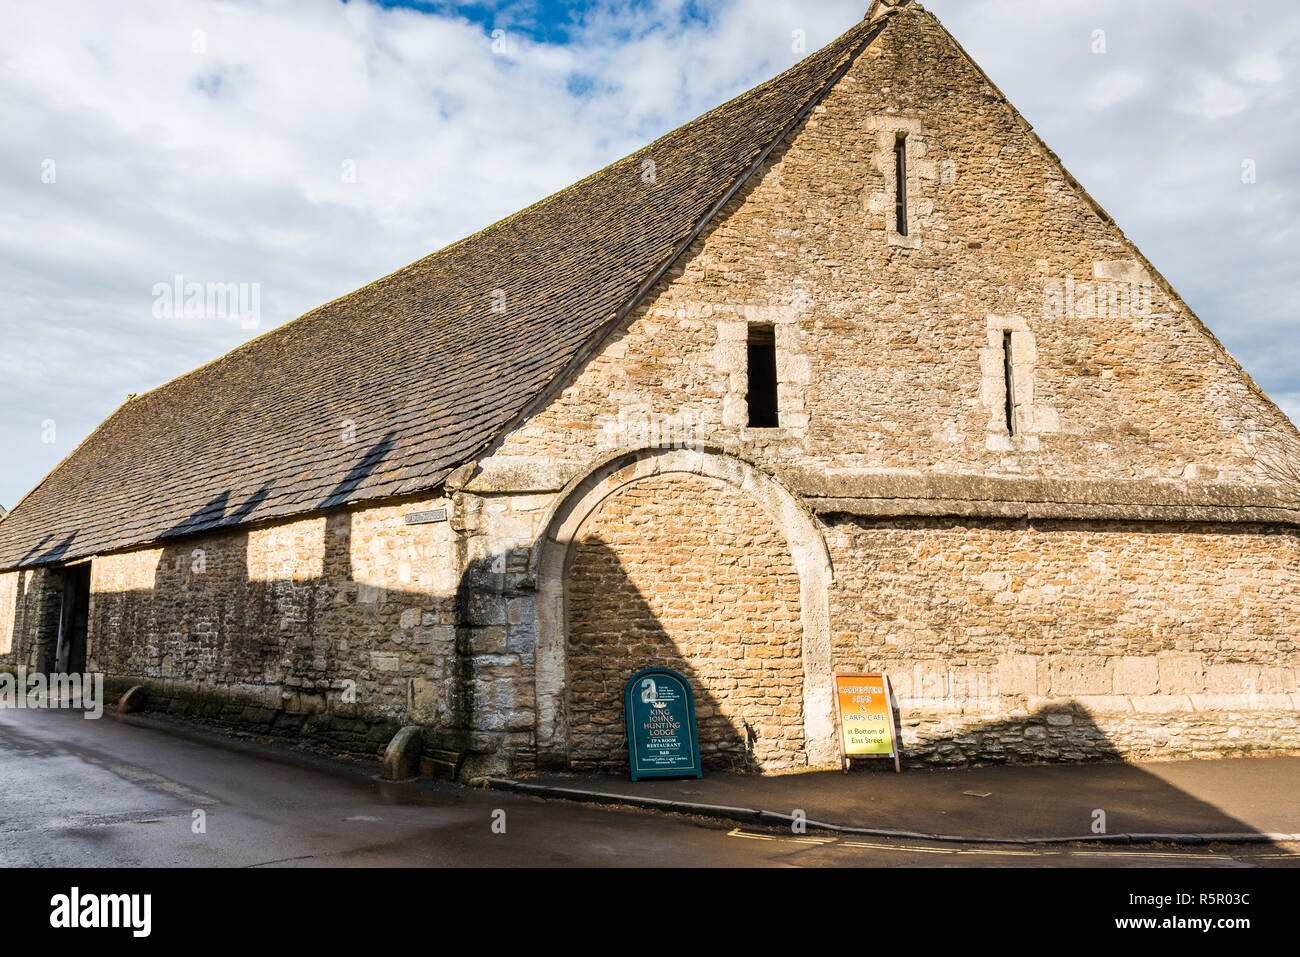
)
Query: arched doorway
[{"x": 696, "y": 560}]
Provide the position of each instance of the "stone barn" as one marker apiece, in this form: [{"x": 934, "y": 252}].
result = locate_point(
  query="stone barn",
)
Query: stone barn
[{"x": 846, "y": 374}]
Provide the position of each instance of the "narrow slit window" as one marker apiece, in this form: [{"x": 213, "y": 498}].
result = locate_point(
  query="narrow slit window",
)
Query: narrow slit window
[
  {"x": 900, "y": 185},
  {"x": 761, "y": 395},
  {"x": 1010, "y": 382}
]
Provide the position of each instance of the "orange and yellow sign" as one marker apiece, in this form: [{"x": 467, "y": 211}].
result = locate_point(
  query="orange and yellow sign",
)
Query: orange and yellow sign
[{"x": 864, "y": 706}]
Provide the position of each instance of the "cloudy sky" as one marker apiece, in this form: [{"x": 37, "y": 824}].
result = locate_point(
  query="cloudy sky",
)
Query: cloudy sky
[{"x": 310, "y": 146}]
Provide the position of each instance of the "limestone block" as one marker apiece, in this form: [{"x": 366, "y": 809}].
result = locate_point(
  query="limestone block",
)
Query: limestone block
[
  {"x": 794, "y": 369},
  {"x": 1275, "y": 679},
  {"x": 1045, "y": 420},
  {"x": 729, "y": 356},
  {"x": 1080, "y": 675},
  {"x": 735, "y": 410},
  {"x": 304, "y": 702},
  {"x": 1024, "y": 349},
  {"x": 1161, "y": 703},
  {"x": 1103, "y": 703},
  {"x": 1123, "y": 270},
  {"x": 1136, "y": 674},
  {"x": 488, "y": 641},
  {"x": 1017, "y": 675},
  {"x": 993, "y": 367},
  {"x": 1273, "y": 702},
  {"x": 1232, "y": 678},
  {"x": 424, "y": 699},
  {"x": 1181, "y": 673}
]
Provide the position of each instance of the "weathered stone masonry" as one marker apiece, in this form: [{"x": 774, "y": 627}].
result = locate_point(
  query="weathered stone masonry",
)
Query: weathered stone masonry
[
  {"x": 336, "y": 628},
  {"x": 686, "y": 573},
  {"x": 1019, "y": 640}
]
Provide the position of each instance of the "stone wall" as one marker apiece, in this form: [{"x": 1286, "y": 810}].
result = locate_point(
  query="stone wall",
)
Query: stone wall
[
  {"x": 336, "y": 629},
  {"x": 686, "y": 573},
  {"x": 1019, "y": 641},
  {"x": 889, "y": 352},
  {"x": 891, "y": 375},
  {"x": 30, "y": 601},
  {"x": 497, "y": 615}
]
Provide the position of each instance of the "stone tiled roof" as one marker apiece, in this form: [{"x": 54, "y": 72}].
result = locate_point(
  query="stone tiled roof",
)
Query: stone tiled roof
[{"x": 419, "y": 363}]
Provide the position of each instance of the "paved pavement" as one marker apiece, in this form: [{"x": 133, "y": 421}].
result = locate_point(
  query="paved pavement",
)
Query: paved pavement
[
  {"x": 124, "y": 792},
  {"x": 1238, "y": 799}
]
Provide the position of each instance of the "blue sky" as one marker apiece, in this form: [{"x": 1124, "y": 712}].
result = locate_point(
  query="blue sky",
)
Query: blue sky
[
  {"x": 310, "y": 146},
  {"x": 545, "y": 21}
]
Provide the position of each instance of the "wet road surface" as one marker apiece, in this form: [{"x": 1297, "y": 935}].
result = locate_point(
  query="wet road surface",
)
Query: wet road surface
[{"x": 108, "y": 793}]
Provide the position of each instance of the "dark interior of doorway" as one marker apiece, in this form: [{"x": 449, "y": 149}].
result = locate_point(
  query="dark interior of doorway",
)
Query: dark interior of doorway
[{"x": 74, "y": 620}]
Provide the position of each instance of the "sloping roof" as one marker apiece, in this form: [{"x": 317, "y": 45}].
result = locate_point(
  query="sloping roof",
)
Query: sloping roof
[{"x": 418, "y": 361}]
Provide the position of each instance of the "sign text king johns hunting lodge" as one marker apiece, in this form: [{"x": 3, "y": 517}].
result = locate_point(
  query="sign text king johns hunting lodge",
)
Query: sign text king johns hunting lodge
[{"x": 661, "y": 735}]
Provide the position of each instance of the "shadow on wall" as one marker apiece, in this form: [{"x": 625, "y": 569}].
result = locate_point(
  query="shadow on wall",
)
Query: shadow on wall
[
  {"x": 612, "y": 634},
  {"x": 1066, "y": 732},
  {"x": 319, "y": 658},
  {"x": 262, "y": 653},
  {"x": 276, "y": 653}
]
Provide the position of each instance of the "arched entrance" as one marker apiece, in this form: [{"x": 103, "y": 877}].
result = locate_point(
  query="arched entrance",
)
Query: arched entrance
[{"x": 696, "y": 560}]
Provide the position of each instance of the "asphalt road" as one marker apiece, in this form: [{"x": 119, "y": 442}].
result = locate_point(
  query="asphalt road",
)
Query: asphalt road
[{"x": 102, "y": 793}]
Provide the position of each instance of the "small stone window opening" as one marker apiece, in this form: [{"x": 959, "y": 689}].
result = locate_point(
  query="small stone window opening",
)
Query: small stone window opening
[
  {"x": 900, "y": 185},
  {"x": 1010, "y": 382},
  {"x": 761, "y": 370}
]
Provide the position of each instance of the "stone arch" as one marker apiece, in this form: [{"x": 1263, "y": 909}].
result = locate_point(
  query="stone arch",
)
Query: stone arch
[{"x": 584, "y": 495}]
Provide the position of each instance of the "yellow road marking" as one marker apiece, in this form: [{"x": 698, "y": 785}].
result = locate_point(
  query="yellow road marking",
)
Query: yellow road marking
[
  {"x": 1006, "y": 853},
  {"x": 900, "y": 847},
  {"x": 1120, "y": 853},
  {"x": 737, "y": 832}
]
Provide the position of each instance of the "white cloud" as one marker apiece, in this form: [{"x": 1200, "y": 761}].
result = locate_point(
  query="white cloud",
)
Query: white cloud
[
  {"x": 1215, "y": 98},
  {"x": 1115, "y": 87},
  {"x": 1260, "y": 68}
]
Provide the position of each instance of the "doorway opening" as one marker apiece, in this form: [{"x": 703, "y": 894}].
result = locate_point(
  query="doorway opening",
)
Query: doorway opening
[{"x": 74, "y": 621}]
